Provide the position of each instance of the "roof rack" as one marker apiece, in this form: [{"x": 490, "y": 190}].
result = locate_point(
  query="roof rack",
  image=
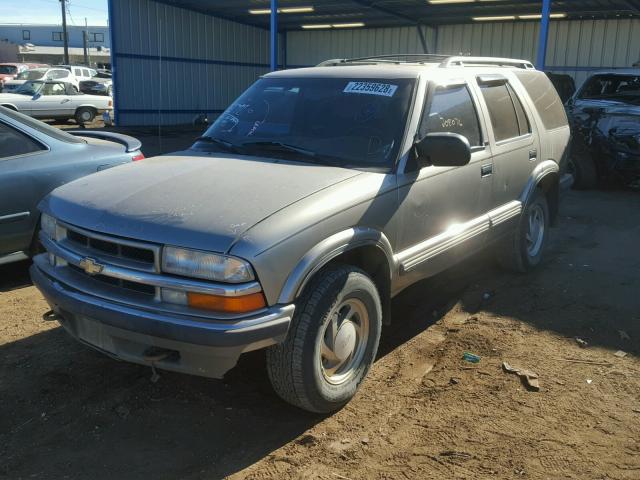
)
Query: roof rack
[
  {"x": 462, "y": 61},
  {"x": 444, "y": 61},
  {"x": 394, "y": 58}
]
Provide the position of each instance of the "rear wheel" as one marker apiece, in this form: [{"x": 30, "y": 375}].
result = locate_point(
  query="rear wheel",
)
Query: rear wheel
[
  {"x": 583, "y": 168},
  {"x": 332, "y": 341},
  {"x": 85, "y": 115},
  {"x": 523, "y": 249}
]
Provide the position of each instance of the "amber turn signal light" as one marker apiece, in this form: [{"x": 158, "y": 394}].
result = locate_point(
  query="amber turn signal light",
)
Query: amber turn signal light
[{"x": 242, "y": 304}]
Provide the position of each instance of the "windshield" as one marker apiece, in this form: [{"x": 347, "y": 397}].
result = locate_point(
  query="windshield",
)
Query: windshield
[
  {"x": 616, "y": 87},
  {"x": 31, "y": 75},
  {"x": 8, "y": 69},
  {"x": 29, "y": 88},
  {"x": 357, "y": 123}
]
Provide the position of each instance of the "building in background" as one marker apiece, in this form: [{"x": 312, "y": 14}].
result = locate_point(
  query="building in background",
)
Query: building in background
[{"x": 33, "y": 43}]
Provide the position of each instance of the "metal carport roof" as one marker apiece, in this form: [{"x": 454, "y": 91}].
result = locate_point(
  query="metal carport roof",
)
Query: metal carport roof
[{"x": 386, "y": 13}]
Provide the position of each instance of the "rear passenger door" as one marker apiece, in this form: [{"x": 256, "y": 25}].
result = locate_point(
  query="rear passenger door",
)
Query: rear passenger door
[{"x": 514, "y": 140}]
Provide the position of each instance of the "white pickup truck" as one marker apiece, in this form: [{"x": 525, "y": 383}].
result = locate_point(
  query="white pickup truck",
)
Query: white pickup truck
[{"x": 45, "y": 99}]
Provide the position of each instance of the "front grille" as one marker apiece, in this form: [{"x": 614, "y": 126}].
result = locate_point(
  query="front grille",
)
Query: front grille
[
  {"x": 116, "y": 282},
  {"x": 111, "y": 248}
]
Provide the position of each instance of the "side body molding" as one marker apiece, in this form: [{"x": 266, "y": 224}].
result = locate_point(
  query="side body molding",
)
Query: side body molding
[
  {"x": 329, "y": 249},
  {"x": 547, "y": 167}
]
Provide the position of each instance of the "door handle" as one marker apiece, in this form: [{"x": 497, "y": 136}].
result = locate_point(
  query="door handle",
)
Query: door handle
[
  {"x": 533, "y": 155},
  {"x": 65, "y": 100},
  {"x": 486, "y": 170}
]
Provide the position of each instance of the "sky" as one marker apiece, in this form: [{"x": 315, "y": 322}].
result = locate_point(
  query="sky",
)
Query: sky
[{"x": 48, "y": 11}]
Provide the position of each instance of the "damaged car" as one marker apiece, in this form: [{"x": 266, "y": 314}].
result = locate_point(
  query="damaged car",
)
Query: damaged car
[{"x": 605, "y": 118}]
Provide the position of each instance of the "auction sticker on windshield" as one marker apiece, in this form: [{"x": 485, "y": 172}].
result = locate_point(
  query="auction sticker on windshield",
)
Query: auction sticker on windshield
[{"x": 371, "y": 88}]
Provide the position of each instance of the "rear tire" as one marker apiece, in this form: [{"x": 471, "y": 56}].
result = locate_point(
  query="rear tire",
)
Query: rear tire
[
  {"x": 523, "y": 249},
  {"x": 583, "y": 168},
  {"x": 85, "y": 115},
  {"x": 332, "y": 341}
]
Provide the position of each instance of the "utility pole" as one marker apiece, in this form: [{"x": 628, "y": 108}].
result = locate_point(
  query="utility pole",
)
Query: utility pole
[
  {"x": 65, "y": 39},
  {"x": 85, "y": 40}
]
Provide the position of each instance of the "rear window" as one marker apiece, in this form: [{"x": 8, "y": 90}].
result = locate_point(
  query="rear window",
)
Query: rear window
[
  {"x": 8, "y": 69},
  {"x": 545, "y": 98},
  {"x": 41, "y": 126}
]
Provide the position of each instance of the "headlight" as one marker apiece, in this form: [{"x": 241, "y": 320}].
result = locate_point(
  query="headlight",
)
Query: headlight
[
  {"x": 48, "y": 225},
  {"x": 209, "y": 266}
]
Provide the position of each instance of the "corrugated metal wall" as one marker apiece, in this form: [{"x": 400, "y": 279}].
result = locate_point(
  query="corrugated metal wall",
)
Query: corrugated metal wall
[
  {"x": 172, "y": 64},
  {"x": 312, "y": 47},
  {"x": 576, "y": 47}
]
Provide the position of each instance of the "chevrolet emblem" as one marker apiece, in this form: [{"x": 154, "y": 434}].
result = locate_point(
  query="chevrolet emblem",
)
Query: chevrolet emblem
[{"x": 90, "y": 266}]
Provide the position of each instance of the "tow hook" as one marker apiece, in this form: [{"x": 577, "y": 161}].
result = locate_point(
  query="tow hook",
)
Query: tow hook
[
  {"x": 157, "y": 354},
  {"x": 51, "y": 316}
]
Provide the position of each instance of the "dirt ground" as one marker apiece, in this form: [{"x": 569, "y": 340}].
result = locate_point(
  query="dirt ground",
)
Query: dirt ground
[{"x": 423, "y": 413}]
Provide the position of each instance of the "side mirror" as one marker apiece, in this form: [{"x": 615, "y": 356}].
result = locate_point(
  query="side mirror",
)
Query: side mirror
[
  {"x": 443, "y": 149},
  {"x": 36, "y": 96}
]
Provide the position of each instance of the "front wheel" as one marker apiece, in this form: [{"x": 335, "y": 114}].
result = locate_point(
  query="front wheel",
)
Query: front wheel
[
  {"x": 332, "y": 341},
  {"x": 522, "y": 250}
]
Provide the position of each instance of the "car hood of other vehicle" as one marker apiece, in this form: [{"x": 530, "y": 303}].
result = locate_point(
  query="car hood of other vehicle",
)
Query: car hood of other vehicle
[{"x": 198, "y": 201}]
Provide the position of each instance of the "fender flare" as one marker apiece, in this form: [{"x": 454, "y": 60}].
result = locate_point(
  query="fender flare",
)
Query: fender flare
[
  {"x": 327, "y": 250},
  {"x": 542, "y": 170}
]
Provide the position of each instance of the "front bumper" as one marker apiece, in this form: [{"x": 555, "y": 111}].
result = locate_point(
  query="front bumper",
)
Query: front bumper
[{"x": 202, "y": 347}]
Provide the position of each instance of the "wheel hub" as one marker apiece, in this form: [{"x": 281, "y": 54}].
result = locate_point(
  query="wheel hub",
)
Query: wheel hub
[{"x": 345, "y": 341}]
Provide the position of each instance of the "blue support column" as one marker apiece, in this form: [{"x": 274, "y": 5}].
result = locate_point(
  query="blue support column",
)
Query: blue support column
[
  {"x": 274, "y": 35},
  {"x": 544, "y": 34}
]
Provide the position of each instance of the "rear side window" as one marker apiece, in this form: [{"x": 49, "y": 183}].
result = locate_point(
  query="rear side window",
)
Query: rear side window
[
  {"x": 545, "y": 98},
  {"x": 452, "y": 110},
  {"x": 501, "y": 110},
  {"x": 13, "y": 143},
  {"x": 77, "y": 72},
  {"x": 524, "y": 126}
]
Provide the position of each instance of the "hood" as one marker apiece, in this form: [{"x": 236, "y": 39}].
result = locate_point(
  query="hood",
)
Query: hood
[{"x": 188, "y": 199}]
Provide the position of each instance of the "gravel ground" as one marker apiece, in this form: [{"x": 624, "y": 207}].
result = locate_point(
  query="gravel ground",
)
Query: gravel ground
[{"x": 423, "y": 413}]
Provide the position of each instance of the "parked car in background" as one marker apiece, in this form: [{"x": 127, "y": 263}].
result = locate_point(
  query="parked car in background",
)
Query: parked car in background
[
  {"x": 9, "y": 71},
  {"x": 35, "y": 158},
  {"x": 56, "y": 100},
  {"x": 81, "y": 72},
  {"x": 565, "y": 85},
  {"x": 605, "y": 118},
  {"x": 278, "y": 232},
  {"x": 100, "y": 84},
  {"x": 44, "y": 74}
]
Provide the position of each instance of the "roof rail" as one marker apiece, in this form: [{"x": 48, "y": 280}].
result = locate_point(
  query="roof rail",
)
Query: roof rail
[
  {"x": 461, "y": 61},
  {"x": 443, "y": 60},
  {"x": 394, "y": 58}
]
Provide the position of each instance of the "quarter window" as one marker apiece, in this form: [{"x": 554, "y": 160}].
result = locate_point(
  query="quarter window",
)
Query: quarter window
[
  {"x": 13, "y": 143},
  {"x": 452, "y": 110},
  {"x": 508, "y": 120}
]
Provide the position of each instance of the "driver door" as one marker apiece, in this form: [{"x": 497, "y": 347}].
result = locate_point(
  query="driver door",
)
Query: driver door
[
  {"x": 51, "y": 101},
  {"x": 443, "y": 209}
]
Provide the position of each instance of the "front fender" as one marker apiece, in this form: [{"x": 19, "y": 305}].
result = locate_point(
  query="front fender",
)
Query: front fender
[{"x": 327, "y": 250}]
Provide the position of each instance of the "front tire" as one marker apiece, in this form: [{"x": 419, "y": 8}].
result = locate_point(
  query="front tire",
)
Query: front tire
[
  {"x": 523, "y": 249},
  {"x": 332, "y": 341}
]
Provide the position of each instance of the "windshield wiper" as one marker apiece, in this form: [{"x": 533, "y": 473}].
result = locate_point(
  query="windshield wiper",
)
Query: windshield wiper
[
  {"x": 228, "y": 146},
  {"x": 281, "y": 146}
]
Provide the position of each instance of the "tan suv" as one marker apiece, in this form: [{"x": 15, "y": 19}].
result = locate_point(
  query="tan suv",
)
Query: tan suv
[{"x": 317, "y": 196}]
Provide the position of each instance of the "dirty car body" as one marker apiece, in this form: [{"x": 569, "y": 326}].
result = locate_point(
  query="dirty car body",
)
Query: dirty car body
[
  {"x": 188, "y": 260},
  {"x": 605, "y": 119},
  {"x": 36, "y": 158}
]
